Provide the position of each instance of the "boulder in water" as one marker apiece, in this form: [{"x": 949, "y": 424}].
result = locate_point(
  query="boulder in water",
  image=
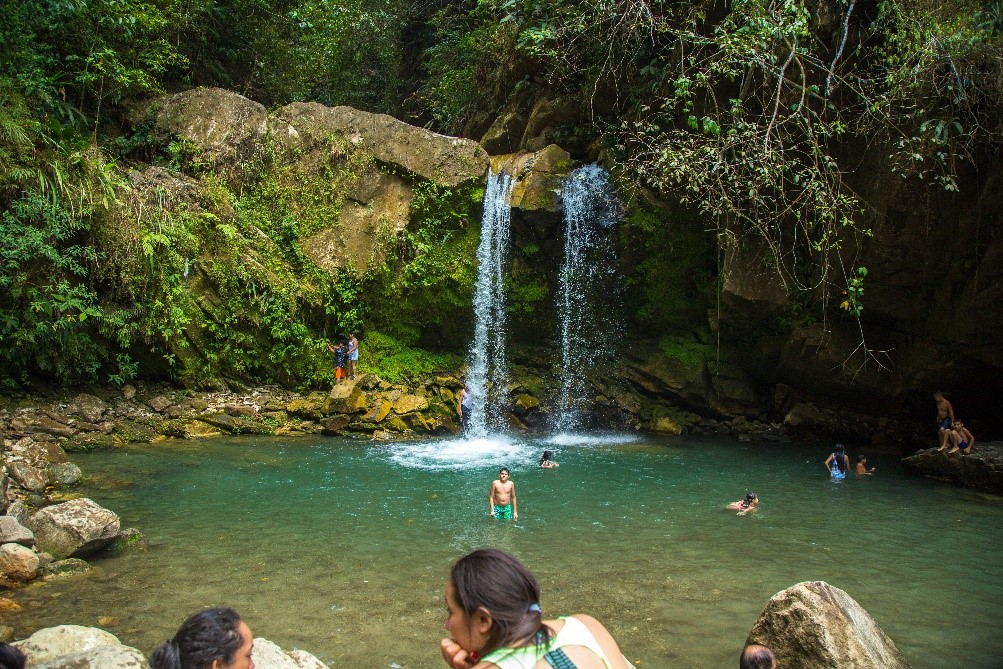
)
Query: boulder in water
[
  {"x": 75, "y": 528},
  {"x": 813, "y": 625}
]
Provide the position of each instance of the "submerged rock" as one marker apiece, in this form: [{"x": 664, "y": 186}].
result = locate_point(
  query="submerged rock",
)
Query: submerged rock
[
  {"x": 982, "y": 469},
  {"x": 813, "y": 625}
]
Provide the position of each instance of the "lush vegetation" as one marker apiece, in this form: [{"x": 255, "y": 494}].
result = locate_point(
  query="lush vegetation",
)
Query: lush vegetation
[{"x": 750, "y": 111}]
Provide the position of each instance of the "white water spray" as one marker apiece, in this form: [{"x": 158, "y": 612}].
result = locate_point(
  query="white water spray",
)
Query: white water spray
[
  {"x": 590, "y": 210},
  {"x": 487, "y": 375}
]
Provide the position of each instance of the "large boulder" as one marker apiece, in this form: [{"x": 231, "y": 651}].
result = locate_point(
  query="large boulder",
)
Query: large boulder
[
  {"x": 74, "y": 529},
  {"x": 267, "y": 655},
  {"x": 27, "y": 476},
  {"x": 813, "y": 625},
  {"x": 439, "y": 158},
  {"x": 346, "y": 398},
  {"x": 89, "y": 407},
  {"x": 18, "y": 564},
  {"x": 77, "y": 647},
  {"x": 982, "y": 469}
]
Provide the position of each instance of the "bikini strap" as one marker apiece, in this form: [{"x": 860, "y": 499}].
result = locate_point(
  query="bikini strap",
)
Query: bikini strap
[{"x": 558, "y": 659}]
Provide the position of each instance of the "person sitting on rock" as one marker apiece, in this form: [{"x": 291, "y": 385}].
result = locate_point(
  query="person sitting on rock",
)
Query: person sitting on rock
[
  {"x": 961, "y": 439},
  {"x": 862, "y": 469},
  {"x": 11, "y": 657},
  {"x": 210, "y": 639},
  {"x": 755, "y": 656},
  {"x": 747, "y": 505}
]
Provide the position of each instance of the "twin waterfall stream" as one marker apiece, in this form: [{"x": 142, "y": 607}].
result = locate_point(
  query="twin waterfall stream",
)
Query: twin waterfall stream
[{"x": 590, "y": 210}]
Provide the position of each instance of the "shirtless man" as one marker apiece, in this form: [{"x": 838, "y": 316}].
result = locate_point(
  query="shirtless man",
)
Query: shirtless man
[
  {"x": 501, "y": 499},
  {"x": 945, "y": 417}
]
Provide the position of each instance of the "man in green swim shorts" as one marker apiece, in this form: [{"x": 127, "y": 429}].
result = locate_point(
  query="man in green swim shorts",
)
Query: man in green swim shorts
[{"x": 501, "y": 499}]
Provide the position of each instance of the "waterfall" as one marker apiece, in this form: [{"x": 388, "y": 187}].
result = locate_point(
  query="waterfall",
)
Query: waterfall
[
  {"x": 590, "y": 212},
  {"x": 486, "y": 375}
]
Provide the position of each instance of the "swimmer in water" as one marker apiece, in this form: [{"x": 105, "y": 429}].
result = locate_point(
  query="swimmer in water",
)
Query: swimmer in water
[
  {"x": 546, "y": 461},
  {"x": 746, "y": 505}
]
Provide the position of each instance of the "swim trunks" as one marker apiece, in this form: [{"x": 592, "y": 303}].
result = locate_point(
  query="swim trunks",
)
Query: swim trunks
[
  {"x": 962, "y": 445},
  {"x": 945, "y": 423},
  {"x": 503, "y": 511}
]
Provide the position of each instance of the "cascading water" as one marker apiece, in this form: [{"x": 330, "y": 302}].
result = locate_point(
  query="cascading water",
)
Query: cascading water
[
  {"x": 590, "y": 212},
  {"x": 487, "y": 375}
]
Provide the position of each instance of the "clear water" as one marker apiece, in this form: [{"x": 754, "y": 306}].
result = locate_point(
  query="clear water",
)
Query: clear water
[
  {"x": 487, "y": 373},
  {"x": 590, "y": 210},
  {"x": 341, "y": 548}
]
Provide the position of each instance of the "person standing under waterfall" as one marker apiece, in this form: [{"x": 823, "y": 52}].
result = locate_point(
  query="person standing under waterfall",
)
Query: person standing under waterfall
[
  {"x": 464, "y": 405},
  {"x": 353, "y": 355}
]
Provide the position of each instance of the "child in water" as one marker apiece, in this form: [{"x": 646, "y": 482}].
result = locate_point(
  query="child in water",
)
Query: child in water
[
  {"x": 862, "y": 469},
  {"x": 546, "y": 461},
  {"x": 746, "y": 505}
]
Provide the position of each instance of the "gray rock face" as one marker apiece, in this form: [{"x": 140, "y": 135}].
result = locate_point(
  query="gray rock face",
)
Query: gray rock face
[
  {"x": 19, "y": 511},
  {"x": 813, "y": 625},
  {"x": 18, "y": 563},
  {"x": 982, "y": 469},
  {"x": 77, "y": 647},
  {"x": 445, "y": 160},
  {"x": 13, "y": 532},
  {"x": 74, "y": 529}
]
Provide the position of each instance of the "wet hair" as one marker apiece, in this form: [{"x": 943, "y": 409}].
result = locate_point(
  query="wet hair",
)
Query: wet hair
[
  {"x": 11, "y": 657},
  {"x": 755, "y": 656},
  {"x": 505, "y": 469},
  {"x": 838, "y": 458},
  {"x": 212, "y": 634},
  {"x": 497, "y": 581},
  {"x": 546, "y": 456},
  {"x": 861, "y": 457}
]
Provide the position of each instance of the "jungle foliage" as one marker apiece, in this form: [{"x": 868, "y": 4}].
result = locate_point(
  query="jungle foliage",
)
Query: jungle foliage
[{"x": 751, "y": 111}]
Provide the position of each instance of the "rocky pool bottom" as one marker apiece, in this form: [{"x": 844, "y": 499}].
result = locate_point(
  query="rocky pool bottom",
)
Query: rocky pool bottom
[{"x": 341, "y": 548}]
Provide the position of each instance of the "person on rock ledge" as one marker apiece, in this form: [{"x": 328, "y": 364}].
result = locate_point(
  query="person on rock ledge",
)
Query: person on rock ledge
[
  {"x": 961, "y": 439},
  {"x": 353, "y": 355},
  {"x": 945, "y": 417},
  {"x": 340, "y": 360}
]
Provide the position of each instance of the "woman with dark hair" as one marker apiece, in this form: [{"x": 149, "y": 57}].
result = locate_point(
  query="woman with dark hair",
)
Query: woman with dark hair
[
  {"x": 837, "y": 463},
  {"x": 495, "y": 622},
  {"x": 546, "y": 460},
  {"x": 210, "y": 639},
  {"x": 11, "y": 657}
]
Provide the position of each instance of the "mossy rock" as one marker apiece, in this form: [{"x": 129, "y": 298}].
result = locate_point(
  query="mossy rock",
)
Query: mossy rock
[
  {"x": 88, "y": 441},
  {"x": 311, "y": 407},
  {"x": 131, "y": 431},
  {"x": 236, "y": 424}
]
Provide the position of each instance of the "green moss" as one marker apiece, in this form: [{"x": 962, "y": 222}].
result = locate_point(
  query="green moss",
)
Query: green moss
[{"x": 397, "y": 362}]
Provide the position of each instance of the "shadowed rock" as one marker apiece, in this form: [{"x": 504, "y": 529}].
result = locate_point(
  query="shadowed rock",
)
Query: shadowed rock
[
  {"x": 75, "y": 528},
  {"x": 982, "y": 469}
]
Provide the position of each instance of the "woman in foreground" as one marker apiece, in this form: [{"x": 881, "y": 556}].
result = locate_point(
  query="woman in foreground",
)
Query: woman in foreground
[
  {"x": 495, "y": 621},
  {"x": 210, "y": 639}
]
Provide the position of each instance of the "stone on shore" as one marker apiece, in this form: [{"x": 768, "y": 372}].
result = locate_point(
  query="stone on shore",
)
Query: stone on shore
[
  {"x": 74, "y": 529},
  {"x": 28, "y": 477},
  {"x": 78, "y": 647},
  {"x": 813, "y": 625},
  {"x": 346, "y": 398},
  {"x": 982, "y": 469},
  {"x": 18, "y": 564},
  {"x": 13, "y": 532},
  {"x": 64, "y": 474},
  {"x": 267, "y": 655}
]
